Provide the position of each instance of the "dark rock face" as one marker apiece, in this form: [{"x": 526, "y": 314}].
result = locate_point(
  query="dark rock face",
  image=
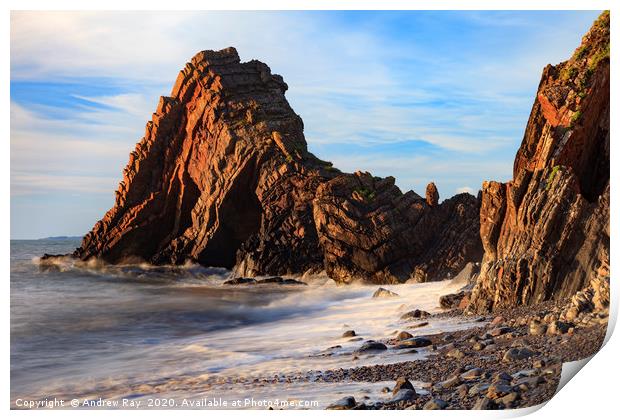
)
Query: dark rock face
[
  {"x": 453, "y": 300},
  {"x": 370, "y": 230},
  {"x": 238, "y": 281},
  {"x": 223, "y": 177},
  {"x": 546, "y": 233}
]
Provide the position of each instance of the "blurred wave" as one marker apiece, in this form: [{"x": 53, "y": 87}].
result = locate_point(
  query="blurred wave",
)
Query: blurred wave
[{"x": 111, "y": 329}]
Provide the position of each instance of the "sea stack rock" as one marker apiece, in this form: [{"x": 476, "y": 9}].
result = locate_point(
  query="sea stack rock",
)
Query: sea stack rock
[
  {"x": 223, "y": 163},
  {"x": 546, "y": 232},
  {"x": 432, "y": 195},
  {"x": 223, "y": 177}
]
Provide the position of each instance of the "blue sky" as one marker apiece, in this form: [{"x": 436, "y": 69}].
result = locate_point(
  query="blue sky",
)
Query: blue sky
[{"x": 422, "y": 96}]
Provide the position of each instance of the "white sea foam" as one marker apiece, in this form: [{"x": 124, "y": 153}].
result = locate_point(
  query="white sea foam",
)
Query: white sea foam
[
  {"x": 92, "y": 330},
  {"x": 290, "y": 333}
]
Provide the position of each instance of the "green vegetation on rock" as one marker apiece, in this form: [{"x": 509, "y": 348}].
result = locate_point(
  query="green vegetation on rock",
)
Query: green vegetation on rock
[
  {"x": 568, "y": 72},
  {"x": 552, "y": 176},
  {"x": 575, "y": 118},
  {"x": 368, "y": 194},
  {"x": 598, "y": 56},
  {"x": 603, "y": 20},
  {"x": 582, "y": 52}
]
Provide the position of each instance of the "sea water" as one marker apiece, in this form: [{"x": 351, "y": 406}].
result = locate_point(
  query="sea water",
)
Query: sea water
[{"x": 143, "y": 333}]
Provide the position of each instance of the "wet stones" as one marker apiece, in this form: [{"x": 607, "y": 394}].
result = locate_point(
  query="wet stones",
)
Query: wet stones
[
  {"x": 452, "y": 300},
  {"x": 240, "y": 281},
  {"x": 526, "y": 383},
  {"x": 497, "y": 321},
  {"x": 384, "y": 293},
  {"x": 472, "y": 374},
  {"x": 403, "y": 335},
  {"x": 281, "y": 281},
  {"x": 404, "y": 395},
  {"x": 435, "y": 404},
  {"x": 483, "y": 404},
  {"x": 549, "y": 326},
  {"x": 496, "y": 332},
  {"x": 348, "y": 333},
  {"x": 418, "y": 325},
  {"x": 508, "y": 373},
  {"x": 478, "y": 345},
  {"x": 345, "y": 403},
  {"x": 402, "y": 383},
  {"x": 508, "y": 400},
  {"x": 462, "y": 390},
  {"x": 499, "y": 389},
  {"x": 517, "y": 353},
  {"x": 501, "y": 376},
  {"x": 572, "y": 313},
  {"x": 456, "y": 353},
  {"x": 403, "y": 391},
  {"x": 371, "y": 346},
  {"x": 558, "y": 327},
  {"x": 478, "y": 388},
  {"x": 537, "y": 328},
  {"x": 415, "y": 314},
  {"x": 451, "y": 382},
  {"x": 244, "y": 281},
  {"x": 414, "y": 342},
  {"x": 542, "y": 363}
]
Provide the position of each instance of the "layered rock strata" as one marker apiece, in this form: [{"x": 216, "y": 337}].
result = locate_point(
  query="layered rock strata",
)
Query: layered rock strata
[
  {"x": 223, "y": 177},
  {"x": 546, "y": 232},
  {"x": 369, "y": 229}
]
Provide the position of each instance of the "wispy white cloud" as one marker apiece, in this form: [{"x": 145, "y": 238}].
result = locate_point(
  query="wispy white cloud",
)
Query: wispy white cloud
[
  {"x": 23, "y": 183},
  {"x": 69, "y": 155},
  {"x": 132, "y": 104}
]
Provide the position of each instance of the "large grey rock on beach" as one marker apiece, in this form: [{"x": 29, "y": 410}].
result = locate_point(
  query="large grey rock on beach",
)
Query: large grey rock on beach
[
  {"x": 345, "y": 403},
  {"x": 402, "y": 383},
  {"x": 404, "y": 395},
  {"x": 435, "y": 404},
  {"x": 371, "y": 346},
  {"x": 518, "y": 353}
]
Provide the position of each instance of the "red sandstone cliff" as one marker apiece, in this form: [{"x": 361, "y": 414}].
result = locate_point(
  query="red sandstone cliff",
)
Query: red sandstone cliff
[
  {"x": 223, "y": 177},
  {"x": 546, "y": 232}
]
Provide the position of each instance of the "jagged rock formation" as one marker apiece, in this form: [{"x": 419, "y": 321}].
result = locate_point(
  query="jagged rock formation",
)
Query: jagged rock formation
[
  {"x": 546, "y": 232},
  {"x": 223, "y": 159},
  {"x": 432, "y": 195},
  {"x": 370, "y": 230},
  {"x": 223, "y": 177}
]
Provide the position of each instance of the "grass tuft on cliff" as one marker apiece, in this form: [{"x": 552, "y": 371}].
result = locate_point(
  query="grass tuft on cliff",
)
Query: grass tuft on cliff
[{"x": 554, "y": 171}]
